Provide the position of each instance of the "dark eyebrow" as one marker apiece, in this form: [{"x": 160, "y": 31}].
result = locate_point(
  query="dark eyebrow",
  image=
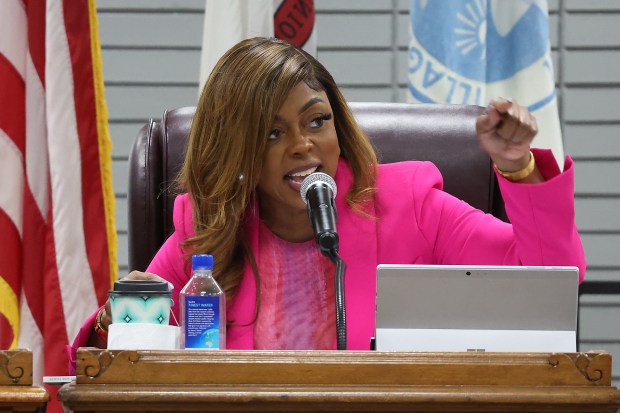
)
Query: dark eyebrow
[
  {"x": 304, "y": 107},
  {"x": 310, "y": 103}
]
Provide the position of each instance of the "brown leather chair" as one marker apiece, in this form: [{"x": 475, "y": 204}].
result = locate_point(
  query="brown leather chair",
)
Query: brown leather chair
[{"x": 443, "y": 134}]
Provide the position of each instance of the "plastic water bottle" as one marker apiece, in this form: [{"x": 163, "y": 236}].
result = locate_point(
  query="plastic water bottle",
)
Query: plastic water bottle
[{"x": 203, "y": 308}]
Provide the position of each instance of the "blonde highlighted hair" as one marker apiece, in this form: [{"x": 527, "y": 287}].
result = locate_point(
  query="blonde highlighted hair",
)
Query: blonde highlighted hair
[{"x": 228, "y": 138}]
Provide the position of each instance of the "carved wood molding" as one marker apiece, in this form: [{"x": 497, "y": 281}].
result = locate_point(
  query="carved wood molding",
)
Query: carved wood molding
[
  {"x": 350, "y": 368},
  {"x": 93, "y": 364},
  {"x": 15, "y": 367},
  {"x": 592, "y": 366}
]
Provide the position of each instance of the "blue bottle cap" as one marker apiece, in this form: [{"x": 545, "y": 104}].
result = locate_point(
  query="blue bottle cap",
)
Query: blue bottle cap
[{"x": 202, "y": 262}]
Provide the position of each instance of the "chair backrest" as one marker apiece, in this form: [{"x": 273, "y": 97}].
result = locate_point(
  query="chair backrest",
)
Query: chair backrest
[{"x": 443, "y": 134}]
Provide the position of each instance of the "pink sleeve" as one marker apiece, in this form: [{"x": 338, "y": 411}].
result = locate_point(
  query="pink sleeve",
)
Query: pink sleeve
[
  {"x": 543, "y": 230},
  {"x": 81, "y": 340},
  {"x": 543, "y": 215},
  {"x": 169, "y": 262}
]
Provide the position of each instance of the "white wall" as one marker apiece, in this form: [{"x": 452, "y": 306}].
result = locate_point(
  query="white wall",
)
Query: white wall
[{"x": 151, "y": 52}]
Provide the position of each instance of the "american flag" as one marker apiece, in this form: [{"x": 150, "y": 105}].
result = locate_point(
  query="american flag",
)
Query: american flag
[{"x": 57, "y": 235}]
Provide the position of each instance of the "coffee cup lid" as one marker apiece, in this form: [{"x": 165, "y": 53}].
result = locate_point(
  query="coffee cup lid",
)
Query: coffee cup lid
[{"x": 140, "y": 287}]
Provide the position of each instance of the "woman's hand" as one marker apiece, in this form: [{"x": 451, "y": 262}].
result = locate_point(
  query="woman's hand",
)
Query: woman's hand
[
  {"x": 104, "y": 317},
  {"x": 505, "y": 131}
]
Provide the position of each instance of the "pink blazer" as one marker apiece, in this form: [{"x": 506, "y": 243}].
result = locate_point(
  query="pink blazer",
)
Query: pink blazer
[{"x": 416, "y": 223}]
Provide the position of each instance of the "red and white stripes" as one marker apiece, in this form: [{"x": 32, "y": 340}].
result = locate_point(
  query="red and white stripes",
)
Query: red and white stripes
[{"x": 57, "y": 242}]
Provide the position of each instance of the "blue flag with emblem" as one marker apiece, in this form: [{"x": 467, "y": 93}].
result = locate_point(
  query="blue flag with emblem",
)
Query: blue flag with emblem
[{"x": 470, "y": 51}]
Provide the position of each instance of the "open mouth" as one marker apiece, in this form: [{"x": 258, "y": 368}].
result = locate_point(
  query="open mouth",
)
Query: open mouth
[{"x": 299, "y": 175}]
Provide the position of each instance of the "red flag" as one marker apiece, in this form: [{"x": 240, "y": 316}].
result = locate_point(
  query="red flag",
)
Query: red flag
[
  {"x": 294, "y": 21},
  {"x": 57, "y": 235},
  {"x": 230, "y": 21}
]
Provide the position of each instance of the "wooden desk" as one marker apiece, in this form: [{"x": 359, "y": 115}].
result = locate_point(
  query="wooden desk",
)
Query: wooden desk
[
  {"x": 17, "y": 394},
  {"x": 340, "y": 381}
]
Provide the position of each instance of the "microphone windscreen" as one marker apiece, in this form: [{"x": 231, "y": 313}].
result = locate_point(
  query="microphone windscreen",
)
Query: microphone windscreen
[{"x": 314, "y": 178}]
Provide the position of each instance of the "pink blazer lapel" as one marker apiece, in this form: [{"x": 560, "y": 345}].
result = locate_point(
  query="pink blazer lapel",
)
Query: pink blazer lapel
[
  {"x": 242, "y": 308},
  {"x": 358, "y": 248}
]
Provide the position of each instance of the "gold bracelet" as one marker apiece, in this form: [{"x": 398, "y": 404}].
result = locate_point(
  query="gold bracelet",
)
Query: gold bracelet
[
  {"x": 99, "y": 329},
  {"x": 521, "y": 173}
]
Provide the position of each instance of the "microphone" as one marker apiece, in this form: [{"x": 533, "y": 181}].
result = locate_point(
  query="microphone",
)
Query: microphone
[{"x": 318, "y": 191}]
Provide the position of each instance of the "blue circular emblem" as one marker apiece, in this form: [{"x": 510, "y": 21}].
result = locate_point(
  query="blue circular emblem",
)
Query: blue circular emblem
[{"x": 467, "y": 39}]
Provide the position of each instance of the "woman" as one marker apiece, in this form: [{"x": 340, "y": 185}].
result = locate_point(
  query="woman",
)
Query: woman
[{"x": 269, "y": 115}]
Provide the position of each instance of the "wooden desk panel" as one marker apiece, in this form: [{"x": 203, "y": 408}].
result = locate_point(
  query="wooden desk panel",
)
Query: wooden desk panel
[
  {"x": 340, "y": 381},
  {"x": 17, "y": 394}
]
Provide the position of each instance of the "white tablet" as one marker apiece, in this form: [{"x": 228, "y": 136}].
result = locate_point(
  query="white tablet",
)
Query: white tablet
[{"x": 476, "y": 308}]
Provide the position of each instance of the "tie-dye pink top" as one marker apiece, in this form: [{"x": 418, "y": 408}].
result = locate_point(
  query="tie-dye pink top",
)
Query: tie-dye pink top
[{"x": 297, "y": 310}]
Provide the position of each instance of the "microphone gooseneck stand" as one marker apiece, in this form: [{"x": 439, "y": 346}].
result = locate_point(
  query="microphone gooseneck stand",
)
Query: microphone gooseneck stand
[
  {"x": 341, "y": 312},
  {"x": 318, "y": 191}
]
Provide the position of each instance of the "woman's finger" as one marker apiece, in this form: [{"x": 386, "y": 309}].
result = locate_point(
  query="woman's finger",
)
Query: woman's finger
[
  {"x": 145, "y": 276},
  {"x": 527, "y": 127},
  {"x": 107, "y": 319},
  {"x": 508, "y": 128}
]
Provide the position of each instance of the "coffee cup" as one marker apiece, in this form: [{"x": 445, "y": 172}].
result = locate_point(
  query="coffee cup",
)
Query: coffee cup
[{"x": 140, "y": 301}]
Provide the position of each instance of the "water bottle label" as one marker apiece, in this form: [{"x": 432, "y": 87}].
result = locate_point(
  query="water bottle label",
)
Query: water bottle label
[{"x": 202, "y": 322}]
